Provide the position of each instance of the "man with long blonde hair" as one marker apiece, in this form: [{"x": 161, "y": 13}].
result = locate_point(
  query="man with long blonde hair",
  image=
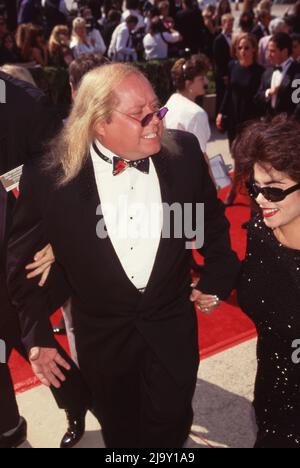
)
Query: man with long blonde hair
[{"x": 101, "y": 200}]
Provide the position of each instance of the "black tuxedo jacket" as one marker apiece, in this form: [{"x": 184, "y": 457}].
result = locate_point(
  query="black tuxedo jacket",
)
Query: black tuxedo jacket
[
  {"x": 25, "y": 123},
  {"x": 284, "y": 102},
  {"x": 222, "y": 56},
  {"x": 107, "y": 308}
]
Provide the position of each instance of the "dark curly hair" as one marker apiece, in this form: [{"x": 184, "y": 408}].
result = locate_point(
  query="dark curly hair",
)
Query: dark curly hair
[{"x": 274, "y": 143}]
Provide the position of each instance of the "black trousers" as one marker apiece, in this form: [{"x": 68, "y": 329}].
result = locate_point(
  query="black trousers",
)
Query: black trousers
[
  {"x": 73, "y": 395},
  {"x": 143, "y": 408}
]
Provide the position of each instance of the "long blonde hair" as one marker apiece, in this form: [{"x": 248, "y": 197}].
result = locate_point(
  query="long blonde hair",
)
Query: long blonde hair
[
  {"x": 94, "y": 102},
  {"x": 77, "y": 23}
]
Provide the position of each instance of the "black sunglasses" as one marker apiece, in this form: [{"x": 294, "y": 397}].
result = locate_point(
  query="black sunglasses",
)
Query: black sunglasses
[
  {"x": 161, "y": 114},
  {"x": 271, "y": 194}
]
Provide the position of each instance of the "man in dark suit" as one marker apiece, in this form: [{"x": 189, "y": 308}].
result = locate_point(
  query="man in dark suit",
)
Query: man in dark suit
[
  {"x": 222, "y": 57},
  {"x": 127, "y": 265},
  {"x": 262, "y": 28},
  {"x": 189, "y": 22},
  {"x": 25, "y": 124},
  {"x": 277, "y": 88}
]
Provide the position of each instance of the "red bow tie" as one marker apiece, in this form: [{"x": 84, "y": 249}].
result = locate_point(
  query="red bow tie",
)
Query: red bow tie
[{"x": 120, "y": 165}]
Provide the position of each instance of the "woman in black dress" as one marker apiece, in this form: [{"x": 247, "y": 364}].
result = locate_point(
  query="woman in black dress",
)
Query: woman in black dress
[
  {"x": 244, "y": 81},
  {"x": 239, "y": 104},
  {"x": 269, "y": 287}
]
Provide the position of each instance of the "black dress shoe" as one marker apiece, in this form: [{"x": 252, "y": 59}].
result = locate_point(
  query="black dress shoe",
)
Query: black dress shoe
[
  {"x": 17, "y": 438},
  {"x": 76, "y": 430}
]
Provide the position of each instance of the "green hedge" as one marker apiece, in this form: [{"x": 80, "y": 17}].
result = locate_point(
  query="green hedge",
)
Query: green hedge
[{"x": 55, "y": 82}]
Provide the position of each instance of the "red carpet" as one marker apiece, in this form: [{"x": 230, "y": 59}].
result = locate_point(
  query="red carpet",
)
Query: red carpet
[{"x": 226, "y": 328}]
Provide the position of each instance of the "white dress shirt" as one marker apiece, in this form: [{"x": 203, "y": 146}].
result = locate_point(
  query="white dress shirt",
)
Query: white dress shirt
[
  {"x": 156, "y": 47},
  {"x": 277, "y": 79},
  {"x": 131, "y": 204},
  {"x": 186, "y": 115},
  {"x": 121, "y": 47}
]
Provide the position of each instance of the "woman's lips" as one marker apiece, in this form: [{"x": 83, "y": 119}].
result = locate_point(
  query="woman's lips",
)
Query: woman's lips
[{"x": 267, "y": 213}]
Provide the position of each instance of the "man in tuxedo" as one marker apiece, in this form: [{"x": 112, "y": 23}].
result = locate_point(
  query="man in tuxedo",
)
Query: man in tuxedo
[
  {"x": 262, "y": 28},
  {"x": 105, "y": 208},
  {"x": 222, "y": 57},
  {"x": 25, "y": 124},
  {"x": 275, "y": 95}
]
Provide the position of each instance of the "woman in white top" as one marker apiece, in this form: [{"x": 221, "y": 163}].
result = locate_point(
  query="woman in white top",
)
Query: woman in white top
[
  {"x": 81, "y": 43},
  {"x": 190, "y": 80},
  {"x": 156, "y": 42}
]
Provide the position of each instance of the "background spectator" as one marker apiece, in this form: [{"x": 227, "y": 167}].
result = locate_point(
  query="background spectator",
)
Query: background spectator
[
  {"x": 222, "y": 57},
  {"x": 262, "y": 28},
  {"x": 9, "y": 52},
  {"x": 79, "y": 67},
  {"x": 210, "y": 32},
  {"x": 190, "y": 80},
  {"x": 55, "y": 12},
  {"x": 81, "y": 43},
  {"x": 277, "y": 25},
  {"x": 59, "y": 47},
  {"x": 224, "y": 7},
  {"x": 189, "y": 22},
  {"x": 29, "y": 11},
  {"x": 158, "y": 40},
  {"x": 275, "y": 94},
  {"x": 121, "y": 48},
  {"x": 296, "y": 47},
  {"x": 133, "y": 9},
  {"x": 94, "y": 34},
  {"x": 35, "y": 46},
  {"x": 109, "y": 25},
  {"x": 246, "y": 22}
]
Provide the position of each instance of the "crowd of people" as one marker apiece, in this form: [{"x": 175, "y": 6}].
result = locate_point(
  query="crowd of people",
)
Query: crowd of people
[
  {"x": 49, "y": 35},
  {"x": 131, "y": 324}
]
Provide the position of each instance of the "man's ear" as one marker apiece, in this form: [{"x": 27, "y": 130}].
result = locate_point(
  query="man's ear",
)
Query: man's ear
[{"x": 100, "y": 130}]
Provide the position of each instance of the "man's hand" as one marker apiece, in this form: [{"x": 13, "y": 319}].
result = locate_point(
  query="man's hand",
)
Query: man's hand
[
  {"x": 204, "y": 302},
  {"x": 42, "y": 265},
  {"x": 44, "y": 363},
  {"x": 273, "y": 91}
]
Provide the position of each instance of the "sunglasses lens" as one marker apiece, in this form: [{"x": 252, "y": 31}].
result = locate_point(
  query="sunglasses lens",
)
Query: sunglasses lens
[
  {"x": 273, "y": 194},
  {"x": 160, "y": 114}
]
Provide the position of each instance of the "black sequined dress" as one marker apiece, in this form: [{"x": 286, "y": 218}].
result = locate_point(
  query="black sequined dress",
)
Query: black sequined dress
[{"x": 269, "y": 293}]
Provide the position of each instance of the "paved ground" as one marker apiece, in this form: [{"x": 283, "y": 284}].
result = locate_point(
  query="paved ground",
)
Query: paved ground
[{"x": 223, "y": 411}]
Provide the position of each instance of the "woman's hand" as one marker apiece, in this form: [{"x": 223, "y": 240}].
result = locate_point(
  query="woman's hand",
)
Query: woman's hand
[
  {"x": 219, "y": 122},
  {"x": 41, "y": 265}
]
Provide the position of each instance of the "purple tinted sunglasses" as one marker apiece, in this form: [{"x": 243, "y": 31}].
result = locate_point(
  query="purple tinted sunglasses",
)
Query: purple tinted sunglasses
[{"x": 161, "y": 114}]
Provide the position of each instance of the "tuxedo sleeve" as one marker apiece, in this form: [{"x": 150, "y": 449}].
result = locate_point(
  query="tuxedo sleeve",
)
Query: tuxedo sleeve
[
  {"x": 34, "y": 304},
  {"x": 261, "y": 100},
  {"x": 222, "y": 266}
]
